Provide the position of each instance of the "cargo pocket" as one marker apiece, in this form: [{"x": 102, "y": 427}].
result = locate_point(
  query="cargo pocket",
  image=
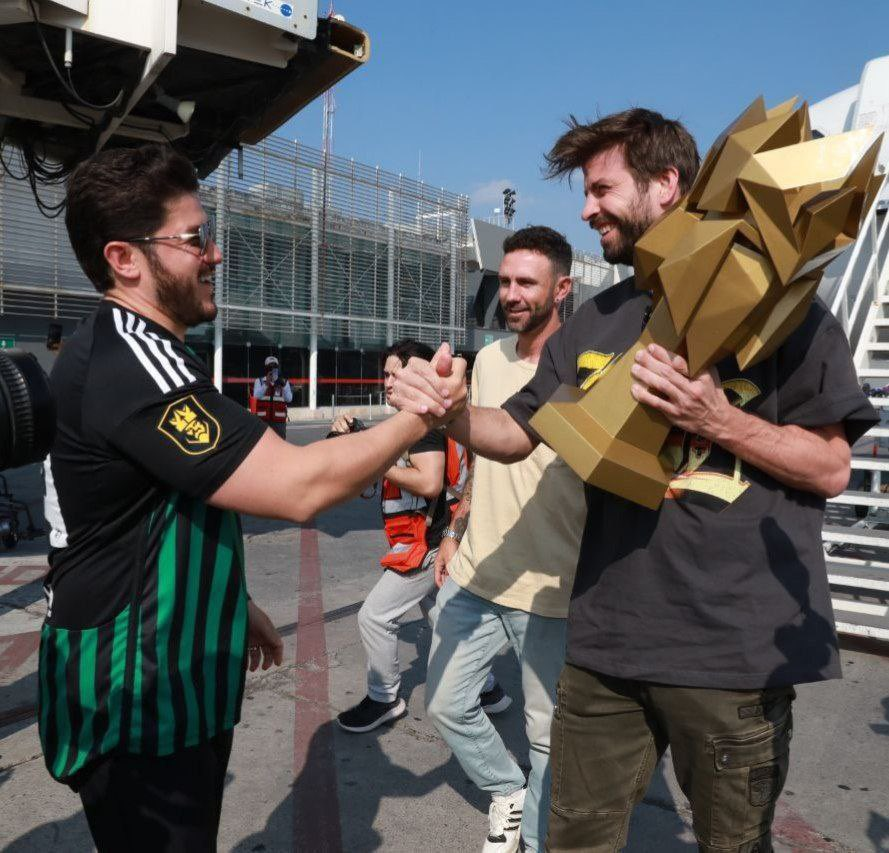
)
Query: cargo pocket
[{"x": 750, "y": 774}]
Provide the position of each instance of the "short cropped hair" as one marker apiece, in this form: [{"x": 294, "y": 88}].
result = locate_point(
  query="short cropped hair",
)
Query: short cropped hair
[
  {"x": 408, "y": 348},
  {"x": 119, "y": 194},
  {"x": 546, "y": 241},
  {"x": 650, "y": 144}
]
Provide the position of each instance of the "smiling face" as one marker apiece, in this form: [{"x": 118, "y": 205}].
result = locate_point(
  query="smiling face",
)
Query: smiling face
[
  {"x": 529, "y": 290},
  {"x": 183, "y": 278},
  {"x": 390, "y": 368},
  {"x": 615, "y": 206}
]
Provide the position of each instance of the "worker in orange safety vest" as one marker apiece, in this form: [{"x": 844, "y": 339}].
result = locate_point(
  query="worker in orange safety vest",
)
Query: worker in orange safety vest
[{"x": 271, "y": 396}]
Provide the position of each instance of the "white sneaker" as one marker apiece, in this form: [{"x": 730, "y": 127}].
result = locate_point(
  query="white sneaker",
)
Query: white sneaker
[{"x": 504, "y": 822}]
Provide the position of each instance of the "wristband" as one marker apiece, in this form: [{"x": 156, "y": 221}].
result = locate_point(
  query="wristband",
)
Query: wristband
[{"x": 451, "y": 534}]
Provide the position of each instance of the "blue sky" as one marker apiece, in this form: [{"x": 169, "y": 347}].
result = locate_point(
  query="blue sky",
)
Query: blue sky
[{"x": 476, "y": 92}]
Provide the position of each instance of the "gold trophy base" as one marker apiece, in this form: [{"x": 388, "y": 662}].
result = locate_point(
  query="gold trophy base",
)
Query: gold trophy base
[{"x": 596, "y": 456}]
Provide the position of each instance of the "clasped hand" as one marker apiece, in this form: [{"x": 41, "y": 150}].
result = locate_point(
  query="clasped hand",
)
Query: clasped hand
[
  {"x": 433, "y": 389},
  {"x": 697, "y": 405}
]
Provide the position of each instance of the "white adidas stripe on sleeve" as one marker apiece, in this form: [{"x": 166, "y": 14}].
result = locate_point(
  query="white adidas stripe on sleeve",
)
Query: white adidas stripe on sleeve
[
  {"x": 52, "y": 510},
  {"x": 165, "y": 363},
  {"x": 174, "y": 355},
  {"x": 134, "y": 345}
]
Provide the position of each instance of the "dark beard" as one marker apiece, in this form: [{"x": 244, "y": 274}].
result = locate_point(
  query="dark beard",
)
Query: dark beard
[
  {"x": 178, "y": 298},
  {"x": 629, "y": 231},
  {"x": 536, "y": 318}
]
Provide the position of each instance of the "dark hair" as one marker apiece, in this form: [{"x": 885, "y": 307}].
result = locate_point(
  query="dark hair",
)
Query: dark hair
[
  {"x": 408, "y": 348},
  {"x": 650, "y": 144},
  {"x": 122, "y": 193},
  {"x": 545, "y": 241}
]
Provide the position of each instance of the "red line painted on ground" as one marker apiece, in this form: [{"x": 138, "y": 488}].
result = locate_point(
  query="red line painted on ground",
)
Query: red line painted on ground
[
  {"x": 15, "y": 715},
  {"x": 15, "y": 650},
  {"x": 791, "y": 829},
  {"x": 316, "y": 814},
  {"x": 21, "y": 573}
]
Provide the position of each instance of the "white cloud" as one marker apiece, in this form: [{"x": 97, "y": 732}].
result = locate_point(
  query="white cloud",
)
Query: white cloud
[{"x": 490, "y": 194}]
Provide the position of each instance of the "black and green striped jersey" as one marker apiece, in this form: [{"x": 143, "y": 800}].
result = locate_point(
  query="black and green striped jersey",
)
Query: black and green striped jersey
[{"x": 144, "y": 642}]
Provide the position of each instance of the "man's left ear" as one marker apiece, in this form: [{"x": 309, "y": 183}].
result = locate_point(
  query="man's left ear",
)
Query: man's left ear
[
  {"x": 563, "y": 288},
  {"x": 668, "y": 187}
]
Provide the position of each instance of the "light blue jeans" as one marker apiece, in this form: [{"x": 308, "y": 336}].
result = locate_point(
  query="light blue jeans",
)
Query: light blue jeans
[{"x": 468, "y": 632}]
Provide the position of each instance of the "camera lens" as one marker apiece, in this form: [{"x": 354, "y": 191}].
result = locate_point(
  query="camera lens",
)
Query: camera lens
[{"x": 27, "y": 410}]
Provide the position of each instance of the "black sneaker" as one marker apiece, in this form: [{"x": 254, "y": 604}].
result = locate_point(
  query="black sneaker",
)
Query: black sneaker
[
  {"x": 494, "y": 701},
  {"x": 368, "y": 714}
]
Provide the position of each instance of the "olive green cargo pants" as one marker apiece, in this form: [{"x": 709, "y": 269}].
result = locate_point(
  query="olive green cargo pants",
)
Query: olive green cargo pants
[{"x": 730, "y": 751}]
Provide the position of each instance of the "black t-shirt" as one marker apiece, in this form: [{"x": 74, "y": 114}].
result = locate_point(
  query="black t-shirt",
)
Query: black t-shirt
[{"x": 724, "y": 585}]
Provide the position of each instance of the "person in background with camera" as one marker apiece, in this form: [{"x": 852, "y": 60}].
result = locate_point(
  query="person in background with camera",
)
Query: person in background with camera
[
  {"x": 149, "y": 628},
  {"x": 415, "y": 514},
  {"x": 273, "y": 395}
]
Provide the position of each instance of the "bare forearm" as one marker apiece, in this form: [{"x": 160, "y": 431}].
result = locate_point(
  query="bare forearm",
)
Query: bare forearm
[
  {"x": 461, "y": 515},
  {"x": 491, "y": 433},
  {"x": 416, "y": 481},
  {"x": 280, "y": 480},
  {"x": 336, "y": 473},
  {"x": 815, "y": 461}
]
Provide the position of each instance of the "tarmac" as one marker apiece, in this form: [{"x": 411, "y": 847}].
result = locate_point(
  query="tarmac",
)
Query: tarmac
[{"x": 298, "y": 783}]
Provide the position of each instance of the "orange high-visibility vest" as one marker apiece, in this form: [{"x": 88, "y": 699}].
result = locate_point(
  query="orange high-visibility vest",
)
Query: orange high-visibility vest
[
  {"x": 269, "y": 409},
  {"x": 406, "y": 517}
]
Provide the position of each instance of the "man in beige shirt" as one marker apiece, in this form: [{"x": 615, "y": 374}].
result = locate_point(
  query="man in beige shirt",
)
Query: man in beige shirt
[{"x": 510, "y": 579}]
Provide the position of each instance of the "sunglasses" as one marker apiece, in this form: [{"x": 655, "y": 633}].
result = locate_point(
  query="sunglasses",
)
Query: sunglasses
[{"x": 199, "y": 239}]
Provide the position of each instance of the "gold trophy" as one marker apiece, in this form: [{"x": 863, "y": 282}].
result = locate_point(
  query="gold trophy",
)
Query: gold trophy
[{"x": 733, "y": 269}]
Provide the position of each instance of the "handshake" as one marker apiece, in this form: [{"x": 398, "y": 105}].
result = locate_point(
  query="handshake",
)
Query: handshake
[{"x": 435, "y": 390}]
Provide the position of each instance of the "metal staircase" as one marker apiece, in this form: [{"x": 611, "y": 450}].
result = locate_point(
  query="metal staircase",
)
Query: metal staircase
[{"x": 856, "y": 529}]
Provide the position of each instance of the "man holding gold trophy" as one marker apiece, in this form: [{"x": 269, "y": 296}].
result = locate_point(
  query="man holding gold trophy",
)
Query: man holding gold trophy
[{"x": 710, "y": 403}]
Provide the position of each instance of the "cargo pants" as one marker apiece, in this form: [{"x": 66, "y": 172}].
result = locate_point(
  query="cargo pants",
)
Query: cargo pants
[{"x": 730, "y": 752}]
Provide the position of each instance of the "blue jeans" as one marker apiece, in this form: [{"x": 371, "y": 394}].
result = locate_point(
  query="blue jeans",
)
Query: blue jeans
[{"x": 468, "y": 632}]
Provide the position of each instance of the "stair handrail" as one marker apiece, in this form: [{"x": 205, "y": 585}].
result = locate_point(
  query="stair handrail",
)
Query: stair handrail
[
  {"x": 839, "y": 306},
  {"x": 876, "y": 277}
]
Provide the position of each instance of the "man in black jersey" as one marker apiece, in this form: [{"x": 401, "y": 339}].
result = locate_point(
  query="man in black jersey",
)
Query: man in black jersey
[{"x": 146, "y": 638}]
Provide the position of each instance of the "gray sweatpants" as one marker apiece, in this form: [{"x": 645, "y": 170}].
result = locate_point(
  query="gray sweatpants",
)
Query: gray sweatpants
[{"x": 378, "y": 620}]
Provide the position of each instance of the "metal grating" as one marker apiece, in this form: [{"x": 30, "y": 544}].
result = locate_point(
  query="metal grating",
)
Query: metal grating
[
  {"x": 359, "y": 255},
  {"x": 362, "y": 255}
]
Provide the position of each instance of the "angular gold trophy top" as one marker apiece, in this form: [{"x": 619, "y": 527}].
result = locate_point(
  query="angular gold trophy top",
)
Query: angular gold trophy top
[{"x": 733, "y": 269}]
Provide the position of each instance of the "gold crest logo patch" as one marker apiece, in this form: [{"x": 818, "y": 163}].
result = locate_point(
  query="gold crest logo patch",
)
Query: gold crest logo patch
[{"x": 190, "y": 426}]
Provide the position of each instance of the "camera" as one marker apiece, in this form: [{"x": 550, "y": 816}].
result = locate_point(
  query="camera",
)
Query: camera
[
  {"x": 357, "y": 425},
  {"x": 27, "y": 429},
  {"x": 27, "y": 410}
]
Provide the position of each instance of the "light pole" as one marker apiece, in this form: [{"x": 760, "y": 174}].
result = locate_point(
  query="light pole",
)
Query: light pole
[{"x": 509, "y": 205}]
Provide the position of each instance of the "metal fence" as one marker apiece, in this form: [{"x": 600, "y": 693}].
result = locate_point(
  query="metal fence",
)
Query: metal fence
[{"x": 590, "y": 274}]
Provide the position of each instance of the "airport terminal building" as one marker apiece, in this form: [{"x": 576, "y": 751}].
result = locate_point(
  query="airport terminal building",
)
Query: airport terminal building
[{"x": 326, "y": 262}]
